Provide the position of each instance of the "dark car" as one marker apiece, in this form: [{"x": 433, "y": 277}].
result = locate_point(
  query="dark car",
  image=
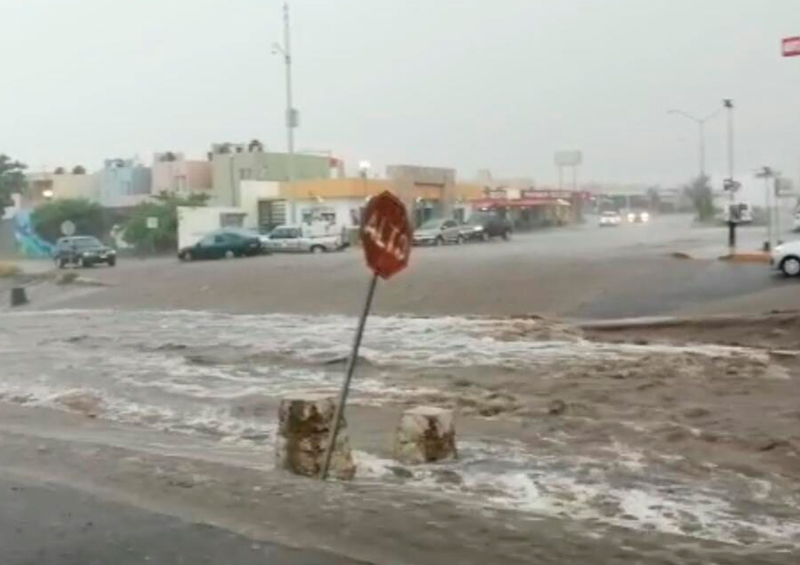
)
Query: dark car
[
  {"x": 484, "y": 225},
  {"x": 225, "y": 243},
  {"x": 83, "y": 250}
]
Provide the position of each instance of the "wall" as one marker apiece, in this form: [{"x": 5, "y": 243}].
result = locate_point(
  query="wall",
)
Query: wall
[
  {"x": 230, "y": 169},
  {"x": 62, "y": 186},
  {"x": 181, "y": 176},
  {"x": 251, "y": 193},
  {"x": 194, "y": 223},
  {"x": 123, "y": 178}
]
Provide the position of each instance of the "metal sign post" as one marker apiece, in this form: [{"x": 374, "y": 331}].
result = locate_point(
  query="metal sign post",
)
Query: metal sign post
[{"x": 386, "y": 237}]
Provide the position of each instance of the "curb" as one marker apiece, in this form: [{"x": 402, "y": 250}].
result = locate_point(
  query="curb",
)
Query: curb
[{"x": 751, "y": 257}]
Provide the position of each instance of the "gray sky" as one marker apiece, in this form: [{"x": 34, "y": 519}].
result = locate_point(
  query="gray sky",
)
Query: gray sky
[{"x": 464, "y": 83}]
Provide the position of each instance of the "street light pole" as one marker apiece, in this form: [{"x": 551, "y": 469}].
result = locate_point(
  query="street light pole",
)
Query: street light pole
[
  {"x": 701, "y": 130},
  {"x": 291, "y": 112}
]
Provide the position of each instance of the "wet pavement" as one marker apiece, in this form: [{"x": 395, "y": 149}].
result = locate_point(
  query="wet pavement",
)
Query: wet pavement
[{"x": 51, "y": 524}]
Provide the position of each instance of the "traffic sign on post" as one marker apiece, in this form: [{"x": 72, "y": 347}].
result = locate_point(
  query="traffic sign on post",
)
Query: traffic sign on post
[
  {"x": 386, "y": 238},
  {"x": 386, "y": 235}
]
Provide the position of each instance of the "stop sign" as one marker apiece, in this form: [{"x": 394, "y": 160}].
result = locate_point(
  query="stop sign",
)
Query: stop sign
[{"x": 386, "y": 235}]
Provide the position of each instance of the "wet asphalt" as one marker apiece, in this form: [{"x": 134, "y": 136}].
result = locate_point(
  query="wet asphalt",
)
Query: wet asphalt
[{"x": 46, "y": 524}]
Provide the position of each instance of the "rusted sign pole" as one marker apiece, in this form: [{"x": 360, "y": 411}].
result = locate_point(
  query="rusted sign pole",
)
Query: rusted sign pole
[{"x": 386, "y": 238}]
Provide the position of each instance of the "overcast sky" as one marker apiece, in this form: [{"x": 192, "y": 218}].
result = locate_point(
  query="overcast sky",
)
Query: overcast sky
[{"x": 470, "y": 84}]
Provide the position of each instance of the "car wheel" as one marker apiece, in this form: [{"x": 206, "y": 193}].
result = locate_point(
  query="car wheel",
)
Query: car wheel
[
  {"x": 506, "y": 235},
  {"x": 484, "y": 236},
  {"x": 187, "y": 256},
  {"x": 82, "y": 263},
  {"x": 112, "y": 262},
  {"x": 317, "y": 249},
  {"x": 791, "y": 266},
  {"x": 229, "y": 254},
  {"x": 438, "y": 241},
  {"x": 459, "y": 240}
]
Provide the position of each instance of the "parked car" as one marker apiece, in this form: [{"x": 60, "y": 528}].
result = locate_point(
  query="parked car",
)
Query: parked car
[
  {"x": 484, "y": 225},
  {"x": 297, "y": 239},
  {"x": 786, "y": 258},
  {"x": 227, "y": 243},
  {"x": 83, "y": 250},
  {"x": 437, "y": 232},
  {"x": 610, "y": 219}
]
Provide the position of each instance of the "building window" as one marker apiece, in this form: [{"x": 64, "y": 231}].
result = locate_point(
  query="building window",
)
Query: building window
[{"x": 245, "y": 174}]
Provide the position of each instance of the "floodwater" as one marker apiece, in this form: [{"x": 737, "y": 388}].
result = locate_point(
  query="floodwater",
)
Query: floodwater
[{"x": 219, "y": 376}]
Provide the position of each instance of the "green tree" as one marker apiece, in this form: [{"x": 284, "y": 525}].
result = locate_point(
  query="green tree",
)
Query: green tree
[
  {"x": 12, "y": 179},
  {"x": 165, "y": 209},
  {"x": 88, "y": 217},
  {"x": 699, "y": 191}
]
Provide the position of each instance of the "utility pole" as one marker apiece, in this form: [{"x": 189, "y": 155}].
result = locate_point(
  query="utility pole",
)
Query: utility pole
[
  {"x": 767, "y": 173},
  {"x": 292, "y": 115},
  {"x": 730, "y": 184}
]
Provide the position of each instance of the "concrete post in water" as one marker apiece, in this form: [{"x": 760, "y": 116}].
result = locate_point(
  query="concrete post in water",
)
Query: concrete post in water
[
  {"x": 18, "y": 296},
  {"x": 304, "y": 426},
  {"x": 425, "y": 434}
]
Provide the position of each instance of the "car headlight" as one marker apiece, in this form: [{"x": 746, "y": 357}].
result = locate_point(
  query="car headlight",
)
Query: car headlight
[
  {"x": 645, "y": 216},
  {"x": 778, "y": 249},
  {"x": 478, "y": 228},
  {"x": 631, "y": 217}
]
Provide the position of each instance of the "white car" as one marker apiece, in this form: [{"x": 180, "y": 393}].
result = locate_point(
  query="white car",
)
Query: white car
[
  {"x": 786, "y": 258},
  {"x": 297, "y": 239},
  {"x": 610, "y": 219}
]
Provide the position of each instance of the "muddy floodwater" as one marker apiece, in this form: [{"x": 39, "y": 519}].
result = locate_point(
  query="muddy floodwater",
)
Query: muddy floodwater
[{"x": 686, "y": 439}]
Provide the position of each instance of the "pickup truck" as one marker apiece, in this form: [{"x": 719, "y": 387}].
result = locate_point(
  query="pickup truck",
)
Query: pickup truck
[{"x": 297, "y": 239}]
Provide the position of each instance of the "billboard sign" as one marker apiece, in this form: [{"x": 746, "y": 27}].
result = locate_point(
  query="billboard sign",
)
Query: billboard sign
[
  {"x": 568, "y": 158},
  {"x": 791, "y": 46}
]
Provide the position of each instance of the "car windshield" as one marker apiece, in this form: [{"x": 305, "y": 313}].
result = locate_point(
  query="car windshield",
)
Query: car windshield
[
  {"x": 478, "y": 219},
  {"x": 83, "y": 242},
  {"x": 531, "y": 270},
  {"x": 432, "y": 225}
]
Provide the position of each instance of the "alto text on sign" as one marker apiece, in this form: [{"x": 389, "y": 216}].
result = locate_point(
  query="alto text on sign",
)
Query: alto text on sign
[{"x": 386, "y": 235}]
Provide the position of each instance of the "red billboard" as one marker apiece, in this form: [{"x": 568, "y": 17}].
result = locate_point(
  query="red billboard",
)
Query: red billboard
[{"x": 791, "y": 46}]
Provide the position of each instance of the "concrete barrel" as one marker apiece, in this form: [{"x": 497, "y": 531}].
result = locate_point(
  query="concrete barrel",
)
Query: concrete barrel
[
  {"x": 304, "y": 426},
  {"x": 18, "y": 296},
  {"x": 425, "y": 434}
]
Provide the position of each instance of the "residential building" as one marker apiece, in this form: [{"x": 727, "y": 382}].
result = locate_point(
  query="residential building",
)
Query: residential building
[
  {"x": 172, "y": 172},
  {"x": 42, "y": 187},
  {"x": 123, "y": 182},
  {"x": 233, "y": 163}
]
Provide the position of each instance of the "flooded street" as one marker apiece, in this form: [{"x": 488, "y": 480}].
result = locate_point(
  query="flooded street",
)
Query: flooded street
[{"x": 690, "y": 440}]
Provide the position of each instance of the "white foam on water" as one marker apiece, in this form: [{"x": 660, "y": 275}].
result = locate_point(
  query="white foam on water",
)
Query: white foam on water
[{"x": 545, "y": 486}]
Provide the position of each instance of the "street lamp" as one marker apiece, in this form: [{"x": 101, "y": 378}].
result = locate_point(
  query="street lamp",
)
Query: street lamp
[
  {"x": 292, "y": 115},
  {"x": 701, "y": 123}
]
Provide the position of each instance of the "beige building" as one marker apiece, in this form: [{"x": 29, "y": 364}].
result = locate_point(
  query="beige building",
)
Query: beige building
[
  {"x": 172, "y": 172},
  {"x": 48, "y": 186}
]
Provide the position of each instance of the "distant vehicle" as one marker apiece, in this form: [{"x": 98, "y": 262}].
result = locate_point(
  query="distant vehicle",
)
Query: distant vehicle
[
  {"x": 225, "y": 243},
  {"x": 610, "y": 219},
  {"x": 297, "y": 239},
  {"x": 485, "y": 225},
  {"x": 83, "y": 250},
  {"x": 437, "y": 232},
  {"x": 786, "y": 258},
  {"x": 637, "y": 216}
]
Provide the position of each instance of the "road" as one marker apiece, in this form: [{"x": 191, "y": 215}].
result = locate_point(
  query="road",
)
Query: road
[
  {"x": 580, "y": 272},
  {"x": 52, "y": 524}
]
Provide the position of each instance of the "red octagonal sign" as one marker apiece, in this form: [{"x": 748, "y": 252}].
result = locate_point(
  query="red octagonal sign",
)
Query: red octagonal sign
[{"x": 386, "y": 235}]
